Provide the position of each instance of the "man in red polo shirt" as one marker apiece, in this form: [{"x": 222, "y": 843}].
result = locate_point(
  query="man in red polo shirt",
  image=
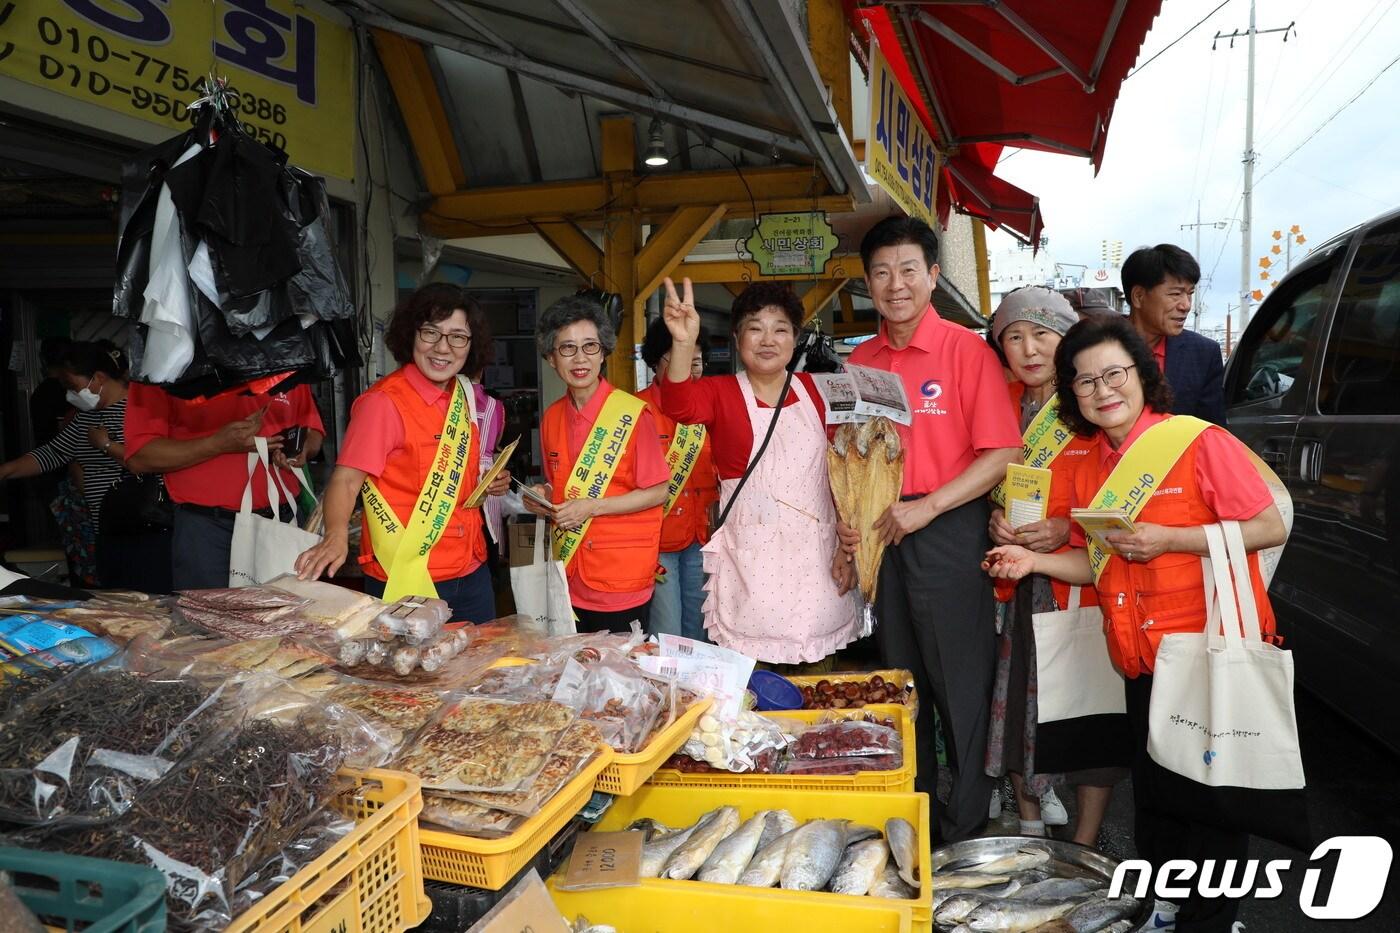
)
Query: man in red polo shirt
[
  {"x": 935, "y": 607},
  {"x": 201, "y": 449}
]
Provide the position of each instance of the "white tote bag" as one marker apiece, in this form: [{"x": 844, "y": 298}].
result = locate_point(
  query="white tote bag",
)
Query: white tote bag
[
  {"x": 541, "y": 589},
  {"x": 1222, "y": 710},
  {"x": 263, "y": 548},
  {"x": 1073, "y": 674}
]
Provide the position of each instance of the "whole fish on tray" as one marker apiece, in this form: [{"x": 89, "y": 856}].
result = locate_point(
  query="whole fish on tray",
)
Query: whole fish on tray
[
  {"x": 689, "y": 858},
  {"x": 814, "y": 851},
  {"x": 729, "y": 859},
  {"x": 860, "y": 867},
  {"x": 657, "y": 850}
]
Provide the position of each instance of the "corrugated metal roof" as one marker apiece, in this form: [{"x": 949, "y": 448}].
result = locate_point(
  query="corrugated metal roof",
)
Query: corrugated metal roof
[{"x": 736, "y": 74}]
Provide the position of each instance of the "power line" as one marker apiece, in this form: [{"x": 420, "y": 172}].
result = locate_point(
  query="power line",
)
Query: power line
[
  {"x": 1334, "y": 116},
  {"x": 1177, "y": 39}
]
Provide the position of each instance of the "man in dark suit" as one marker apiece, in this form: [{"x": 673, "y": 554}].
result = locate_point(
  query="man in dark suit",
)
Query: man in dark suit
[{"x": 1160, "y": 284}]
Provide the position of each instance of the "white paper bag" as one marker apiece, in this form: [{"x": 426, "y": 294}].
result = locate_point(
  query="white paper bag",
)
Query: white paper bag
[
  {"x": 1222, "y": 701},
  {"x": 541, "y": 588},
  {"x": 1073, "y": 674},
  {"x": 263, "y": 548}
]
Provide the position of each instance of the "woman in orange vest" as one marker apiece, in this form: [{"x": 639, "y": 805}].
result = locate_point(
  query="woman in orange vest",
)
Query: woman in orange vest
[
  {"x": 607, "y": 476},
  {"x": 1027, "y": 327},
  {"x": 412, "y": 447},
  {"x": 1111, "y": 391},
  {"x": 692, "y": 488}
]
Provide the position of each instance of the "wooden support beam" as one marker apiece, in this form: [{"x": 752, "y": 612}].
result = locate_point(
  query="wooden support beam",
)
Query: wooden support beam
[
  {"x": 848, "y": 307},
  {"x": 519, "y": 203},
  {"x": 816, "y": 297},
  {"x": 858, "y": 329},
  {"x": 671, "y": 242},
  {"x": 621, "y": 236},
  {"x": 449, "y": 228},
  {"x": 829, "y": 38},
  {"x": 406, "y": 64},
  {"x": 724, "y": 271},
  {"x": 573, "y": 246},
  {"x": 736, "y": 288}
]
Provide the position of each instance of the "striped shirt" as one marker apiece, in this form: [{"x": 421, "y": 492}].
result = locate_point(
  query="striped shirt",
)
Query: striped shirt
[{"x": 100, "y": 471}]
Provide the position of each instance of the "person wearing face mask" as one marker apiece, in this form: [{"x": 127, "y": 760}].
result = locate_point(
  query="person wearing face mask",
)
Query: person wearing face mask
[
  {"x": 94, "y": 375},
  {"x": 606, "y": 474},
  {"x": 779, "y": 588},
  {"x": 411, "y": 452},
  {"x": 1026, "y": 328}
]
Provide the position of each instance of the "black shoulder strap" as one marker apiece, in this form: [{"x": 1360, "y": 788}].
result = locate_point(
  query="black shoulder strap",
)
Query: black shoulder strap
[{"x": 772, "y": 425}]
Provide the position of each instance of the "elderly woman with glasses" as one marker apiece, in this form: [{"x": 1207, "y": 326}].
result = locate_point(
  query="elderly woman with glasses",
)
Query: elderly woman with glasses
[
  {"x": 1149, "y": 581},
  {"x": 411, "y": 451},
  {"x": 606, "y": 473}
]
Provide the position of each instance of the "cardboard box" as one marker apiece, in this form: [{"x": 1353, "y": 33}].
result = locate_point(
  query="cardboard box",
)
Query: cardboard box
[{"x": 521, "y": 536}]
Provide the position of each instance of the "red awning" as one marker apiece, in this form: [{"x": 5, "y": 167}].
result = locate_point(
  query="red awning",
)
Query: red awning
[{"x": 1027, "y": 73}]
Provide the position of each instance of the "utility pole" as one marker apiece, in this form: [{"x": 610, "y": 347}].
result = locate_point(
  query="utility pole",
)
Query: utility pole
[
  {"x": 1200, "y": 300},
  {"x": 1249, "y": 153}
]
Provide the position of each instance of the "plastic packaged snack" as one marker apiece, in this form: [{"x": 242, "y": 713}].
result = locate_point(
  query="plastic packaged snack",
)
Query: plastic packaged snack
[
  {"x": 415, "y": 619},
  {"x": 846, "y": 739},
  {"x": 849, "y": 765},
  {"x": 744, "y": 743}
]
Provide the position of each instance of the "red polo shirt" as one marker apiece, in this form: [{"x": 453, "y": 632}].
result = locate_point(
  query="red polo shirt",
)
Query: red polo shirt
[
  {"x": 957, "y": 391},
  {"x": 152, "y": 413},
  {"x": 1226, "y": 478}
]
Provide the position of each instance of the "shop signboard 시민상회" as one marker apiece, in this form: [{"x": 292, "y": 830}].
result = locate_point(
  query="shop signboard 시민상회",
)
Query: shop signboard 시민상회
[
  {"x": 291, "y": 70},
  {"x": 791, "y": 244},
  {"x": 900, "y": 155}
]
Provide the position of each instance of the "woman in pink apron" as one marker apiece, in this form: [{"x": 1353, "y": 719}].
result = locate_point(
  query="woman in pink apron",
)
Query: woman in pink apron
[{"x": 777, "y": 590}]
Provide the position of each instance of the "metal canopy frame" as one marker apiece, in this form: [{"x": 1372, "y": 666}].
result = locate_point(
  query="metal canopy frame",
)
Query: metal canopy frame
[
  {"x": 909, "y": 12},
  {"x": 766, "y": 27}
]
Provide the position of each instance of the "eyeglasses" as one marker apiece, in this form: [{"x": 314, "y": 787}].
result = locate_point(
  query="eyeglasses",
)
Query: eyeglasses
[
  {"x": 1114, "y": 377},
  {"x": 589, "y": 348},
  {"x": 431, "y": 335}
]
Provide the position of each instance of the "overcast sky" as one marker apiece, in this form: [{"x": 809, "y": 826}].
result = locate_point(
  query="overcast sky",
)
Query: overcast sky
[{"x": 1177, "y": 136}]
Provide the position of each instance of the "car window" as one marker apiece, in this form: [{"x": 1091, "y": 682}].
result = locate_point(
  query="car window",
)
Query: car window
[
  {"x": 1272, "y": 363},
  {"x": 1361, "y": 368}
]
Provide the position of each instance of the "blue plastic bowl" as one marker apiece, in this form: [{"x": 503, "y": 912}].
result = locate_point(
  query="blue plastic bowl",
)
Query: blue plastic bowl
[{"x": 774, "y": 691}]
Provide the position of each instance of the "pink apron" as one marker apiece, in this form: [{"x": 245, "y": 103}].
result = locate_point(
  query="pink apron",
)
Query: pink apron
[{"x": 769, "y": 593}]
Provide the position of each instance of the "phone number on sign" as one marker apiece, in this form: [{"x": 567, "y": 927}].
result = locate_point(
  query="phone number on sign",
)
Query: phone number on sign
[{"x": 246, "y": 106}]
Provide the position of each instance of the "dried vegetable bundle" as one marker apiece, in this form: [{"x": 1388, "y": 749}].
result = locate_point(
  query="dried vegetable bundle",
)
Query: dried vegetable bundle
[{"x": 865, "y": 464}]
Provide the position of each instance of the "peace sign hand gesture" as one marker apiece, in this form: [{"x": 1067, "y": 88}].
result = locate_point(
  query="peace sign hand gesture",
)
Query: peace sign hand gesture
[{"x": 682, "y": 320}]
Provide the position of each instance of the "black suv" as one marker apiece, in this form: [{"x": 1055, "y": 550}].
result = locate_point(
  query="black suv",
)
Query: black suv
[{"x": 1314, "y": 389}]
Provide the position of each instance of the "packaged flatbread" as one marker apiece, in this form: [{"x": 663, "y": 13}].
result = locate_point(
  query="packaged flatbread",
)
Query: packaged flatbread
[{"x": 473, "y": 745}]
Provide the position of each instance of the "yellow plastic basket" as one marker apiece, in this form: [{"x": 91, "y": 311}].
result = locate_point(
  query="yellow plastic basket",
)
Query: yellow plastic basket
[
  {"x": 897, "y": 676},
  {"x": 900, "y": 779},
  {"x": 490, "y": 863},
  {"x": 629, "y": 772},
  {"x": 709, "y": 907},
  {"x": 371, "y": 881},
  {"x": 682, "y": 806}
]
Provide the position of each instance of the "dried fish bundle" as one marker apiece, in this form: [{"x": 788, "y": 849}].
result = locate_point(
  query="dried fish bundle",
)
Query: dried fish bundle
[{"x": 865, "y": 464}]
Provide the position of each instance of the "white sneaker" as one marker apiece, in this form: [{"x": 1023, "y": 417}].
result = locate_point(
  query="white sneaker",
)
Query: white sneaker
[
  {"x": 1052, "y": 811},
  {"x": 1163, "y": 917},
  {"x": 994, "y": 811}
]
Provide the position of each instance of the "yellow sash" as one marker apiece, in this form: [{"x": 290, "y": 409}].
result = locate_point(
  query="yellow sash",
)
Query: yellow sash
[
  {"x": 407, "y": 564},
  {"x": 1133, "y": 481},
  {"x": 597, "y": 463},
  {"x": 1044, "y": 440},
  {"x": 680, "y": 460}
]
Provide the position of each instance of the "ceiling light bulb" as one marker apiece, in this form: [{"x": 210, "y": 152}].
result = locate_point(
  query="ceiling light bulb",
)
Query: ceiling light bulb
[{"x": 656, "y": 146}]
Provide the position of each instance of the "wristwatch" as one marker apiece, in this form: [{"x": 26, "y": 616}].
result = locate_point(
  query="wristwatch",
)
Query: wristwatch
[{"x": 107, "y": 447}]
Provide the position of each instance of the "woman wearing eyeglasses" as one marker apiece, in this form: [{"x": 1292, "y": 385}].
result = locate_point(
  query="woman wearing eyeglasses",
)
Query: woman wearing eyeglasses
[
  {"x": 411, "y": 452},
  {"x": 1150, "y": 583},
  {"x": 607, "y": 476}
]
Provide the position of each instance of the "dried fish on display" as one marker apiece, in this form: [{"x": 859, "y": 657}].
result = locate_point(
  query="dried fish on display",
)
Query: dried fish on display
[{"x": 865, "y": 464}]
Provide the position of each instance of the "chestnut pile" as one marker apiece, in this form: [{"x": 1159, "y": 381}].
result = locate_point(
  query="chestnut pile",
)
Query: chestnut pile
[{"x": 851, "y": 694}]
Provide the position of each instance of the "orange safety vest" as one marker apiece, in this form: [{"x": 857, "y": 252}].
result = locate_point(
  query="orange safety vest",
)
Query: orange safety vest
[
  {"x": 1142, "y": 602},
  {"x": 688, "y": 521},
  {"x": 462, "y": 544},
  {"x": 1063, "y": 468},
  {"x": 619, "y": 552}
]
